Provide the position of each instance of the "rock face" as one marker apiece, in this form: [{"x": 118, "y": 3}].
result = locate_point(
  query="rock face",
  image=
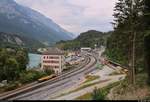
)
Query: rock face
[
  {"x": 17, "y": 40},
  {"x": 18, "y": 19}
]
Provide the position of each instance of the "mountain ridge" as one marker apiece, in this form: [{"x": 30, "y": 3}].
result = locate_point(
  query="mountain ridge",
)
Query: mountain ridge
[
  {"x": 19, "y": 19},
  {"x": 85, "y": 39},
  {"x": 12, "y": 40}
]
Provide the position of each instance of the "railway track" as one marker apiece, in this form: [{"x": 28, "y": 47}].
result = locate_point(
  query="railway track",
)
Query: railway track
[{"x": 49, "y": 82}]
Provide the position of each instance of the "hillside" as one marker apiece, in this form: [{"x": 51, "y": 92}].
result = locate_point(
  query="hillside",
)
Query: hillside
[
  {"x": 14, "y": 40},
  {"x": 18, "y": 19},
  {"x": 86, "y": 39}
]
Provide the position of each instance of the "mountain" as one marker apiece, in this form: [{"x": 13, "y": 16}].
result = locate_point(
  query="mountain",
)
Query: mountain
[
  {"x": 86, "y": 39},
  {"x": 17, "y": 19},
  {"x": 14, "y": 40}
]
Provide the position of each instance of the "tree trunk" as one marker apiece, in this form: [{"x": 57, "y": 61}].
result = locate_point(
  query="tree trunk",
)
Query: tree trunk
[
  {"x": 133, "y": 58},
  {"x": 130, "y": 60}
]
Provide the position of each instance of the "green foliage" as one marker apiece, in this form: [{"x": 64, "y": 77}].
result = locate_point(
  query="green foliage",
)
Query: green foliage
[
  {"x": 147, "y": 55},
  {"x": 91, "y": 78},
  {"x": 22, "y": 58},
  {"x": 10, "y": 87},
  {"x": 87, "y": 39},
  {"x": 49, "y": 71},
  {"x": 128, "y": 22},
  {"x": 30, "y": 76},
  {"x": 98, "y": 94},
  {"x": 24, "y": 41},
  {"x": 12, "y": 62},
  {"x": 11, "y": 69},
  {"x": 146, "y": 20},
  {"x": 147, "y": 14}
]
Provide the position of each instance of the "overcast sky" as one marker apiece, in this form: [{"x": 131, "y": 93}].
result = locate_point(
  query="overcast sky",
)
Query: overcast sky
[{"x": 76, "y": 16}]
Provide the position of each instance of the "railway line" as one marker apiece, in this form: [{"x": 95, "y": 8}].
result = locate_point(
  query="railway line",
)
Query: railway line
[{"x": 63, "y": 76}]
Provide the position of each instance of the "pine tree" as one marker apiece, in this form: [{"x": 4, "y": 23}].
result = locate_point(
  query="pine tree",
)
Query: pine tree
[
  {"x": 127, "y": 16},
  {"x": 147, "y": 14}
]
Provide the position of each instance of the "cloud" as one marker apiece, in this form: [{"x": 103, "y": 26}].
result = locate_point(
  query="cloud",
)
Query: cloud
[{"x": 76, "y": 15}]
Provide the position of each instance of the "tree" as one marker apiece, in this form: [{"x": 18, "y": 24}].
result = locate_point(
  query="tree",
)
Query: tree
[
  {"x": 12, "y": 62},
  {"x": 147, "y": 14},
  {"x": 128, "y": 15},
  {"x": 3, "y": 58},
  {"x": 22, "y": 58},
  {"x": 147, "y": 56},
  {"x": 146, "y": 20},
  {"x": 11, "y": 69}
]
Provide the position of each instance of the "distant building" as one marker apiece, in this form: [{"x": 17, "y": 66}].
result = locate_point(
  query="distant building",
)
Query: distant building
[
  {"x": 41, "y": 50},
  {"x": 70, "y": 54},
  {"x": 86, "y": 49},
  {"x": 73, "y": 53},
  {"x": 53, "y": 59}
]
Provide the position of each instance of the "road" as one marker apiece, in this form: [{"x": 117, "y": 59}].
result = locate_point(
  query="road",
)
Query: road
[{"x": 43, "y": 93}]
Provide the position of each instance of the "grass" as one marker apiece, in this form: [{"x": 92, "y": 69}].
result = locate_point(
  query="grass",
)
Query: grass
[
  {"x": 129, "y": 91},
  {"x": 85, "y": 86},
  {"x": 91, "y": 78},
  {"x": 106, "y": 89},
  {"x": 115, "y": 73},
  {"x": 86, "y": 96}
]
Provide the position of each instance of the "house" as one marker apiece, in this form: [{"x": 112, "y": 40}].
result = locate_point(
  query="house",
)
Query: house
[{"x": 53, "y": 59}]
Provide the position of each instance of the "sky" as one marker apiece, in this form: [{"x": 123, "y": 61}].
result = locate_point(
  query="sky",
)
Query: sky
[{"x": 76, "y": 16}]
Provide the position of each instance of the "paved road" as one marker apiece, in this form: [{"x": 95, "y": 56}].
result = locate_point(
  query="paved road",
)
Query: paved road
[{"x": 44, "y": 92}]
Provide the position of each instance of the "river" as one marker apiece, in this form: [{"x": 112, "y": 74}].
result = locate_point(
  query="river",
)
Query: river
[{"x": 34, "y": 60}]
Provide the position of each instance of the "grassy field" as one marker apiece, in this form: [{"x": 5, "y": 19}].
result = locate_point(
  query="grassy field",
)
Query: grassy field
[
  {"x": 86, "y": 96},
  {"x": 91, "y": 78}
]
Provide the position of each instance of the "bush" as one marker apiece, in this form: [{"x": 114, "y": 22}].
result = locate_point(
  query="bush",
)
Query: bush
[
  {"x": 98, "y": 94},
  {"x": 30, "y": 76},
  {"x": 49, "y": 71},
  {"x": 11, "y": 86}
]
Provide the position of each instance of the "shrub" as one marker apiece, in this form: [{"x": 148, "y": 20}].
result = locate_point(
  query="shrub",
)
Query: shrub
[
  {"x": 49, "y": 71},
  {"x": 30, "y": 76},
  {"x": 10, "y": 87},
  {"x": 98, "y": 94}
]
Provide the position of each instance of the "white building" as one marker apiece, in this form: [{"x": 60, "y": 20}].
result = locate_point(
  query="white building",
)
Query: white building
[
  {"x": 53, "y": 59},
  {"x": 85, "y": 49}
]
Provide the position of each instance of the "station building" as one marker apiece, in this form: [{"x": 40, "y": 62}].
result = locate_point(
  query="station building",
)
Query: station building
[{"x": 53, "y": 59}]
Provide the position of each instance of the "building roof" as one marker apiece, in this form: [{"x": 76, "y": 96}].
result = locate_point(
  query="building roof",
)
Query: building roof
[{"x": 53, "y": 51}]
